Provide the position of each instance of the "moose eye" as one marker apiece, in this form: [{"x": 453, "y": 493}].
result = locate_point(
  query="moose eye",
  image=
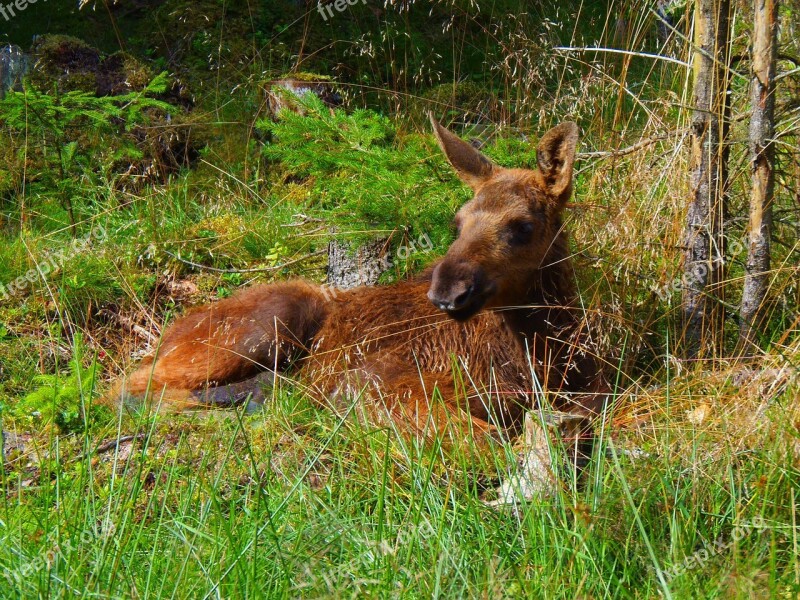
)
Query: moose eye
[{"x": 520, "y": 232}]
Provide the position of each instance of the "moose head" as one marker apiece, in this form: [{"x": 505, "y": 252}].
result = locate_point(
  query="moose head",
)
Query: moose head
[{"x": 508, "y": 228}]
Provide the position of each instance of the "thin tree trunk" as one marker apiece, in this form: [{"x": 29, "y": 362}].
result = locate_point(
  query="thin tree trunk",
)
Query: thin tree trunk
[
  {"x": 703, "y": 314},
  {"x": 350, "y": 267},
  {"x": 762, "y": 156}
]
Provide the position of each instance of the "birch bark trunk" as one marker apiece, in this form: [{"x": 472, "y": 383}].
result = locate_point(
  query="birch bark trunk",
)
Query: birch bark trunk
[
  {"x": 703, "y": 314},
  {"x": 762, "y": 158}
]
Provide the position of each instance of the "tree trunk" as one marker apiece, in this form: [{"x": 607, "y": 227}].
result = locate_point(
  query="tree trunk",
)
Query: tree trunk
[
  {"x": 14, "y": 65},
  {"x": 762, "y": 156},
  {"x": 350, "y": 267},
  {"x": 703, "y": 314}
]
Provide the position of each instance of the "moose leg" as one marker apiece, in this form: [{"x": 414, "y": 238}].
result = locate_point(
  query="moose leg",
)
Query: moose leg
[
  {"x": 586, "y": 396},
  {"x": 250, "y": 391},
  {"x": 261, "y": 328}
]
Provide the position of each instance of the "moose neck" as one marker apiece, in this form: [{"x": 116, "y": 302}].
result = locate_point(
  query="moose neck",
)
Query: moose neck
[{"x": 546, "y": 302}]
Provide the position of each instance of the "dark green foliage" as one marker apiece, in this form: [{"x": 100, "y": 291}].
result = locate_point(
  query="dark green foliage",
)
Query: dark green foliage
[
  {"x": 57, "y": 113},
  {"x": 62, "y": 132},
  {"x": 64, "y": 64}
]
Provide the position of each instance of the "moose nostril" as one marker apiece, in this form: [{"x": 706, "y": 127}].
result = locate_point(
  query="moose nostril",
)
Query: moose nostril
[
  {"x": 462, "y": 298},
  {"x": 450, "y": 304},
  {"x": 437, "y": 302}
]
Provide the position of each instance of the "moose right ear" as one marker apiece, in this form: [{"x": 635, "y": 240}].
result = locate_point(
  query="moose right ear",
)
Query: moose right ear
[
  {"x": 556, "y": 158},
  {"x": 472, "y": 167}
]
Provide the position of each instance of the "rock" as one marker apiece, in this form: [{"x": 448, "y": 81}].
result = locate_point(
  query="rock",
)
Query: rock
[
  {"x": 14, "y": 65},
  {"x": 64, "y": 63},
  {"x": 166, "y": 143},
  {"x": 68, "y": 64},
  {"x": 121, "y": 73}
]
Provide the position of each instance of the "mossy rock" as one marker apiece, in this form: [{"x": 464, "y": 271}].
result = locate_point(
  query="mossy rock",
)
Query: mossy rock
[
  {"x": 122, "y": 73},
  {"x": 68, "y": 64},
  {"x": 144, "y": 153},
  {"x": 64, "y": 63}
]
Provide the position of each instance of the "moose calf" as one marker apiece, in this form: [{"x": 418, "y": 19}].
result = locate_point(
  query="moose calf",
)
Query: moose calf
[{"x": 472, "y": 338}]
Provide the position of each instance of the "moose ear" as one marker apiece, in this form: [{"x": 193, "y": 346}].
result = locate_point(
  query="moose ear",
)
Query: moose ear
[
  {"x": 472, "y": 167},
  {"x": 556, "y": 157}
]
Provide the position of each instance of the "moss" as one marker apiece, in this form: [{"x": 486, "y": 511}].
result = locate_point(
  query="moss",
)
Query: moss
[
  {"x": 305, "y": 76},
  {"x": 64, "y": 63},
  {"x": 121, "y": 73},
  {"x": 68, "y": 64}
]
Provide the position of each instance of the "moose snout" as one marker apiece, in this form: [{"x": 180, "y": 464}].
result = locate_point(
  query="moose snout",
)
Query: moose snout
[
  {"x": 452, "y": 299},
  {"x": 458, "y": 289}
]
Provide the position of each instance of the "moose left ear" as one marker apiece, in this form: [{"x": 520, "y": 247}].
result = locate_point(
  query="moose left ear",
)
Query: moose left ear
[
  {"x": 556, "y": 157},
  {"x": 472, "y": 167}
]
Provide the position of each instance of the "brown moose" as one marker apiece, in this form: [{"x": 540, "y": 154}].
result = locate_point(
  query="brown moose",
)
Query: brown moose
[{"x": 462, "y": 341}]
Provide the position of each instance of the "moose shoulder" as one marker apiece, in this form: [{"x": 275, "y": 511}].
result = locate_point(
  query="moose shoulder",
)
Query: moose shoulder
[{"x": 457, "y": 342}]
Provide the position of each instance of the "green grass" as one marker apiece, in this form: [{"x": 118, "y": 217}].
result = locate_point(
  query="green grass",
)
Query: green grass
[{"x": 297, "y": 501}]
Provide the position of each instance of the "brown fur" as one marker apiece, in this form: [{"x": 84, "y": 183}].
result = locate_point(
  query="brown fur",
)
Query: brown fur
[{"x": 501, "y": 300}]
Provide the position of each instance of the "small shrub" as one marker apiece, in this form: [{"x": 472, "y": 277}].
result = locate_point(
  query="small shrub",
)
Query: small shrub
[{"x": 63, "y": 399}]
